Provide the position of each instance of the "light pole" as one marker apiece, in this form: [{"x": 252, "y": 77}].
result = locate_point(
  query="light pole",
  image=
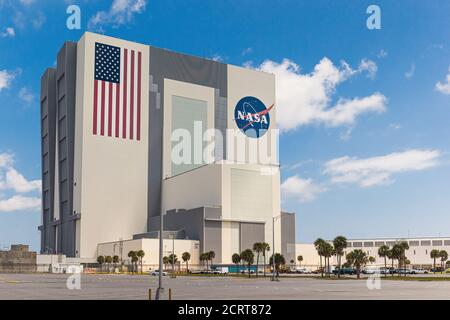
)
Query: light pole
[
  {"x": 173, "y": 255},
  {"x": 273, "y": 247},
  {"x": 160, "y": 290}
]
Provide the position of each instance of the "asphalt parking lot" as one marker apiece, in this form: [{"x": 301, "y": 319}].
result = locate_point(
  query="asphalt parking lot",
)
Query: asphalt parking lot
[{"x": 53, "y": 286}]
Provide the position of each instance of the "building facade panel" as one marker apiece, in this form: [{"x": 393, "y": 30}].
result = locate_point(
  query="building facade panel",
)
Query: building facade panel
[{"x": 113, "y": 170}]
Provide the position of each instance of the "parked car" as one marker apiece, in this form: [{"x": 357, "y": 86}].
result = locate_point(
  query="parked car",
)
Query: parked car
[
  {"x": 220, "y": 270},
  {"x": 370, "y": 270},
  {"x": 302, "y": 270},
  {"x": 384, "y": 270},
  {"x": 156, "y": 273},
  {"x": 404, "y": 271},
  {"x": 438, "y": 269},
  {"x": 349, "y": 271},
  {"x": 419, "y": 271}
]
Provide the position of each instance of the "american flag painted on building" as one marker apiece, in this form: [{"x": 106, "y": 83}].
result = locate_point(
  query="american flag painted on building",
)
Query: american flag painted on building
[{"x": 117, "y": 92}]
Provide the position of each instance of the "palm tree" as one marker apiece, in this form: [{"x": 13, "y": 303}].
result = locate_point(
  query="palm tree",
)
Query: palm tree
[
  {"x": 300, "y": 259},
  {"x": 236, "y": 258},
  {"x": 339, "y": 243},
  {"x": 132, "y": 255},
  {"x": 186, "y": 256},
  {"x": 404, "y": 246},
  {"x": 397, "y": 252},
  {"x": 372, "y": 259},
  {"x": 204, "y": 257},
  {"x": 357, "y": 258},
  {"x": 100, "y": 260},
  {"x": 211, "y": 255},
  {"x": 444, "y": 257},
  {"x": 318, "y": 244},
  {"x": 140, "y": 254},
  {"x": 390, "y": 255},
  {"x": 108, "y": 260},
  {"x": 279, "y": 261},
  {"x": 434, "y": 254},
  {"x": 135, "y": 259},
  {"x": 257, "y": 247},
  {"x": 165, "y": 262},
  {"x": 327, "y": 252},
  {"x": 248, "y": 256},
  {"x": 172, "y": 260},
  {"x": 383, "y": 253},
  {"x": 115, "y": 261},
  {"x": 265, "y": 248}
]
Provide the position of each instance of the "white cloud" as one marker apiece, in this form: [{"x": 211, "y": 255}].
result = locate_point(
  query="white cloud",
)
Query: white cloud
[
  {"x": 304, "y": 99},
  {"x": 247, "y": 51},
  {"x": 444, "y": 87},
  {"x": 379, "y": 170},
  {"x": 120, "y": 12},
  {"x": 410, "y": 73},
  {"x": 11, "y": 179},
  {"x": 18, "y": 202},
  {"x": 369, "y": 66},
  {"x": 25, "y": 95},
  {"x": 382, "y": 53},
  {"x": 6, "y": 159},
  {"x": 5, "y": 79},
  {"x": 16, "y": 181},
  {"x": 301, "y": 189},
  {"x": 8, "y": 33},
  {"x": 217, "y": 58}
]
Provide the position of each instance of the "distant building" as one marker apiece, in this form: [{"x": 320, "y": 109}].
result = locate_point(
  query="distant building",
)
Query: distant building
[
  {"x": 18, "y": 259},
  {"x": 418, "y": 253}
]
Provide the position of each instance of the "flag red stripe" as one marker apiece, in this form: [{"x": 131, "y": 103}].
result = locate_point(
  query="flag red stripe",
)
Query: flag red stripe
[
  {"x": 94, "y": 116},
  {"x": 110, "y": 109},
  {"x": 132, "y": 96},
  {"x": 117, "y": 108},
  {"x": 138, "y": 124},
  {"x": 102, "y": 116},
  {"x": 124, "y": 102}
]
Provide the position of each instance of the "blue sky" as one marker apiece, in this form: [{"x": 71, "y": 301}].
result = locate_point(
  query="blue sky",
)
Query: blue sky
[{"x": 365, "y": 113}]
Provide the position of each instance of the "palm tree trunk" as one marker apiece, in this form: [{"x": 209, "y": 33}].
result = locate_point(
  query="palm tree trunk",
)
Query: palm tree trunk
[
  {"x": 321, "y": 269},
  {"x": 339, "y": 266},
  {"x": 385, "y": 267},
  {"x": 257, "y": 264},
  {"x": 392, "y": 263},
  {"x": 329, "y": 267},
  {"x": 264, "y": 268}
]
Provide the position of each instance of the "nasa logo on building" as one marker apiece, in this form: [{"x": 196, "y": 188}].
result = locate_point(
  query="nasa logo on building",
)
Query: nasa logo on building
[{"x": 252, "y": 117}]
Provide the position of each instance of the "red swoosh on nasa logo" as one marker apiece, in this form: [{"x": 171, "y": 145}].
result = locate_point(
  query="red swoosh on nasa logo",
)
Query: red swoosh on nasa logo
[{"x": 261, "y": 113}]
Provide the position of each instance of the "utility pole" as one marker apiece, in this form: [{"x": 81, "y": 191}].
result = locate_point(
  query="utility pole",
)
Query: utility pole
[
  {"x": 273, "y": 247},
  {"x": 160, "y": 290},
  {"x": 173, "y": 255}
]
